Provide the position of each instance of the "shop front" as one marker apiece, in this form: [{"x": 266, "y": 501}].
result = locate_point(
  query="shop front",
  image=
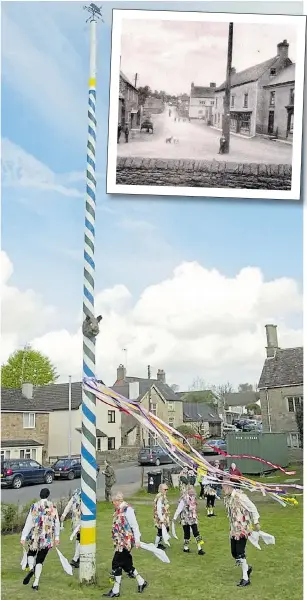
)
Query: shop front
[{"x": 240, "y": 122}]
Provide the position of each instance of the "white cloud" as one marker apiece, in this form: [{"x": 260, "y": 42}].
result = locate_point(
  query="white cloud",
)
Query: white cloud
[
  {"x": 198, "y": 322},
  {"x": 24, "y": 313},
  {"x": 22, "y": 170}
]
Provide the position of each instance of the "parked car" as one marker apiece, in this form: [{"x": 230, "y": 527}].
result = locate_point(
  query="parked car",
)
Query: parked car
[
  {"x": 148, "y": 125},
  {"x": 67, "y": 468},
  {"x": 227, "y": 428},
  {"x": 220, "y": 444},
  {"x": 18, "y": 472},
  {"x": 154, "y": 456}
]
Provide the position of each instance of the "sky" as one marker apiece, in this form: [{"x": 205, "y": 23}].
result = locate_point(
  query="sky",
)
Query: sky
[
  {"x": 186, "y": 285},
  {"x": 169, "y": 55}
]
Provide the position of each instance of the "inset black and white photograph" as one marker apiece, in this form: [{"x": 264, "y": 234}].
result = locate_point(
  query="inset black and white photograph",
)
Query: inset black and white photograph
[{"x": 206, "y": 104}]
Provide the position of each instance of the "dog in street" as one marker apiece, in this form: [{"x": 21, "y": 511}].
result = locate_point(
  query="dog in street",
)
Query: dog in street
[
  {"x": 175, "y": 141},
  {"x": 169, "y": 140}
]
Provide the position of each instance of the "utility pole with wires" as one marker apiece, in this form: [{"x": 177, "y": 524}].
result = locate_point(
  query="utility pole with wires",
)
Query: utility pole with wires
[
  {"x": 135, "y": 80},
  {"x": 225, "y": 142},
  {"x": 87, "y": 569}
]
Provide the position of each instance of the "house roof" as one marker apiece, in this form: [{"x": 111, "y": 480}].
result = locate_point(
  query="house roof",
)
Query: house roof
[
  {"x": 125, "y": 78},
  {"x": 46, "y": 398},
  {"x": 194, "y": 412},
  {"x": 242, "y": 398},
  {"x": 287, "y": 75},
  {"x": 19, "y": 443},
  {"x": 128, "y": 424},
  {"x": 251, "y": 74},
  {"x": 198, "y": 91},
  {"x": 122, "y": 387},
  {"x": 284, "y": 369}
]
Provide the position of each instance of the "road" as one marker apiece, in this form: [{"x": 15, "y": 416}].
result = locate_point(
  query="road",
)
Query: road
[
  {"x": 128, "y": 476},
  {"x": 198, "y": 141}
]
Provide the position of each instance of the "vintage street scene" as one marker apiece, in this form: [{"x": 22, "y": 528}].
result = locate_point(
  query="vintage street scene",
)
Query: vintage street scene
[{"x": 209, "y": 91}]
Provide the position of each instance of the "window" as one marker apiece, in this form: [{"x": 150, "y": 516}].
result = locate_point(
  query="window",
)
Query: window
[
  {"x": 293, "y": 440},
  {"x": 232, "y": 101},
  {"x": 28, "y": 453},
  {"x": 153, "y": 409},
  {"x": 292, "y": 95},
  {"x": 111, "y": 416},
  {"x": 294, "y": 402},
  {"x": 99, "y": 444},
  {"x": 272, "y": 98},
  {"x": 212, "y": 102},
  {"x": 34, "y": 464},
  {"x": 200, "y": 112},
  {"x": 171, "y": 406},
  {"x": 5, "y": 454},
  {"x": 111, "y": 443},
  {"x": 272, "y": 72},
  {"x": 29, "y": 420},
  {"x": 202, "y": 102},
  {"x": 215, "y": 102},
  {"x": 245, "y": 103},
  {"x": 171, "y": 421},
  {"x": 215, "y": 118}
]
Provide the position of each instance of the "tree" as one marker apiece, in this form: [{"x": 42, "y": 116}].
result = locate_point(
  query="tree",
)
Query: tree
[
  {"x": 255, "y": 408},
  {"x": 299, "y": 417},
  {"x": 27, "y": 366},
  {"x": 144, "y": 93},
  {"x": 200, "y": 391},
  {"x": 221, "y": 392},
  {"x": 245, "y": 387},
  {"x": 174, "y": 387}
]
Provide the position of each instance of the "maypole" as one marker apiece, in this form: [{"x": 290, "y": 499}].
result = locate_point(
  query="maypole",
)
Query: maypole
[{"x": 87, "y": 572}]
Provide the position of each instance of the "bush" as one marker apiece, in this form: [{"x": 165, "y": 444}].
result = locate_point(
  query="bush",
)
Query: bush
[{"x": 13, "y": 516}]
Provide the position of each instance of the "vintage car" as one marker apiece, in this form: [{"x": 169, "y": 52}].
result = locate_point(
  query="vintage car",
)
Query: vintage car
[{"x": 147, "y": 125}]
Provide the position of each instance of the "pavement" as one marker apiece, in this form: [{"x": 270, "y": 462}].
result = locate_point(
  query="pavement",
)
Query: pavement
[
  {"x": 128, "y": 476},
  {"x": 199, "y": 141}
]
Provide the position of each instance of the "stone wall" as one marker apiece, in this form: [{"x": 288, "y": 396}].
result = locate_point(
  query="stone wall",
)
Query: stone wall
[
  {"x": 202, "y": 173},
  {"x": 12, "y": 429},
  {"x": 123, "y": 454}
]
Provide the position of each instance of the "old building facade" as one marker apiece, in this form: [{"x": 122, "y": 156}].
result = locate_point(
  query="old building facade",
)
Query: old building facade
[
  {"x": 202, "y": 102},
  {"x": 128, "y": 105},
  {"x": 279, "y": 110},
  {"x": 281, "y": 388},
  {"x": 249, "y": 95}
]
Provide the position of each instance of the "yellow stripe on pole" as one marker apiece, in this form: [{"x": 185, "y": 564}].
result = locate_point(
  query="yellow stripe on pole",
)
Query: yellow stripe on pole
[
  {"x": 87, "y": 536},
  {"x": 92, "y": 82}
]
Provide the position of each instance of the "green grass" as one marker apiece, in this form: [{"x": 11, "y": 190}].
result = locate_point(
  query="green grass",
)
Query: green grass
[{"x": 277, "y": 569}]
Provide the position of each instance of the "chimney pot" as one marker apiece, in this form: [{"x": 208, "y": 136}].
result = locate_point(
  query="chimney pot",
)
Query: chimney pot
[
  {"x": 27, "y": 390},
  {"x": 272, "y": 340},
  {"x": 161, "y": 376},
  {"x": 282, "y": 49},
  {"x": 212, "y": 84},
  {"x": 121, "y": 373}
]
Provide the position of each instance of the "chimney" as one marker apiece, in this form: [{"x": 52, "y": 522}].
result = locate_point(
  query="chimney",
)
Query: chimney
[
  {"x": 134, "y": 390},
  {"x": 272, "y": 341},
  {"x": 121, "y": 373},
  {"x": 282, "y": 49},
  {"x": 161, "y": 376},
  {"x": 27, "y": 390},
  {"x": 212, "y": 84},
  {"x": 192, "y": 84}
]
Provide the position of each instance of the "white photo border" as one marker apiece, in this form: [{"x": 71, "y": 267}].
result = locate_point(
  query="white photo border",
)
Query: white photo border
[{"x": 124, "y": 14}]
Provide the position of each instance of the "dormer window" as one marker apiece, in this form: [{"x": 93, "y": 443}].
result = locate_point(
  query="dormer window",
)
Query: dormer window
[{"x": 272, "y": 72}]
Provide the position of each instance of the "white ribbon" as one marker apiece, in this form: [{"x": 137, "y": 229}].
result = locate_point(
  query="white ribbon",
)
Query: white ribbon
[
  {"x": 74, "y": 533},
  {"x": 156, "y": 551},
  {"x": 174, "y": 531},
  {"x": 64, "y": 562},
  {"x": 255, "y": 536},
  {"x": 165, "y": 535},
  {"x": 24, "y": 561}
]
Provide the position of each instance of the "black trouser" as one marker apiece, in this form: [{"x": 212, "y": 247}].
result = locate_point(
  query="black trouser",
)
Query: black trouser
[
  {"x": 202, "y": 488},
  {"x": 122, "y": 561},
  {"x": 126, "y": 137},
  {"x": 78, "y": 536},
  {"x": 159, "y": 531},
  {"x": 39, "y": 554},
  {"x": 187, "y": 531},
  {"x": 210, "y": 500},
  {"x": 238, "y": 548}
]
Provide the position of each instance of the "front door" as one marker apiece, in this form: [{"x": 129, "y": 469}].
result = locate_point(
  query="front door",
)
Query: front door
[{"x": 271, "y": 122}]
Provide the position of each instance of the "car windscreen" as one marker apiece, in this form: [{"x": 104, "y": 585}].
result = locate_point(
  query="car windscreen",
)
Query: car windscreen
[{"x": 61, "y": 463}]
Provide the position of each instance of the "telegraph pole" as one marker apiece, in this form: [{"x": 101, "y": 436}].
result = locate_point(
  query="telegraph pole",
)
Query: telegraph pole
[
  {"x": 87, "y": 570},
  {"x": 135, "y": 80},
  {"x": 226, "y": 119}
]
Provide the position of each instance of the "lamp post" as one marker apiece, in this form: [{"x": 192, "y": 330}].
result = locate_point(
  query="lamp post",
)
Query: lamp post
[{"x": 87, "y": 570}]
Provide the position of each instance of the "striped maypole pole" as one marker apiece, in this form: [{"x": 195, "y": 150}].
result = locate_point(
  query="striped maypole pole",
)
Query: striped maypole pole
[{"x": 87, "y": 571}]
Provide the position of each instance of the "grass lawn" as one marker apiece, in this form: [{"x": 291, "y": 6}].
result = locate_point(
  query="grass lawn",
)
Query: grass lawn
[{"x": 277, "y": 569}]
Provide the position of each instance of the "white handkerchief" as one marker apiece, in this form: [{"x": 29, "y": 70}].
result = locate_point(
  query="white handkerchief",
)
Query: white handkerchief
[
  {"x": 64, "y": 562},
  {"x": 255, "y": 536},
  {"x": 24, "y": 561},
  {"x": 156, "y": 551},
  {"x": 165, "y": 535},
  {"x": 174, "y": 531},
  {"x": 267, "y": 538},
  {"x": 74, "y": 533},
  {"x": 254, "y": 539},
  {"x": 62, "y": 526}
]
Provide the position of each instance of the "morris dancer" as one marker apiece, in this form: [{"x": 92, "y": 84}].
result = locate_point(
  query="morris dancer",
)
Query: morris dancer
[
  {"x": 210, "y": 494},
  {"x": 125, "y": 535},
  {"x": 183, "y": 479},
  {"x": 187, "y": 512},
  {"x": 74, "y": 507},
  {"x": 242, "y": 514},
  {"x": 42, "y": 531},
  {"x": 161, "y": 514}
]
